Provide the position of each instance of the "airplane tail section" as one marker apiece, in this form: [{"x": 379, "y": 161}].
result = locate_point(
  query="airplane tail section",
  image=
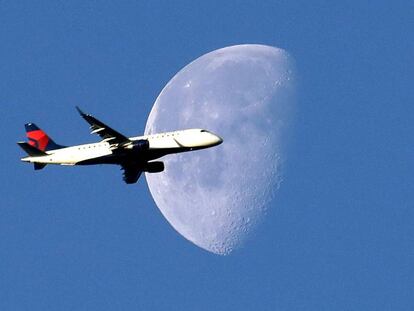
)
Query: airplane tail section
[
  {"x": 39, "y": 139},
  {"x": 33, "y": 152},
  {"x": 39, "y": 166}
]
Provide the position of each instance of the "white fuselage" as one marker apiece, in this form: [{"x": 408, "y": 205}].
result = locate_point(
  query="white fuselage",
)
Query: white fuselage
[{"x": 165, "y": 143}]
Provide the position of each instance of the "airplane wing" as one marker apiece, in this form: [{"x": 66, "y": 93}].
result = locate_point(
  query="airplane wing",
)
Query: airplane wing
[
  {"x": 104, "y": 131},
  {"x": 131, "y": 173}
]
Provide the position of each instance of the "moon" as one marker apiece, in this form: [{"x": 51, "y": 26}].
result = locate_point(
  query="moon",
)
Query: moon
[{"x": 246, "y": 95}]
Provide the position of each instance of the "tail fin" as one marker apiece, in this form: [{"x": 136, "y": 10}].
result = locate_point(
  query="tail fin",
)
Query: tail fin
[{"x": 39, "y": 139}]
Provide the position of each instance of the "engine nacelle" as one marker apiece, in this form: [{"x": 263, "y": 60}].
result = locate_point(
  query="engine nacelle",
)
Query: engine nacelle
[
  {"x": 140, "y": 145},
  {"x": 154, "y": 167}
]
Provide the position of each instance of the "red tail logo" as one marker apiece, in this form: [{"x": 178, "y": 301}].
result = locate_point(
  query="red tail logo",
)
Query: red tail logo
[{"x": 38, "y": 139}]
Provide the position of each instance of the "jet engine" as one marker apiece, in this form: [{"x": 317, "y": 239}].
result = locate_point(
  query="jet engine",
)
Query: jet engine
[
  {"x": 154, "y": 167},
  {"x": 140, "y": 145}
]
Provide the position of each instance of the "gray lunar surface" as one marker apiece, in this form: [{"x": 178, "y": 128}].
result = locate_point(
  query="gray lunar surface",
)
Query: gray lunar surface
[{"x": 246, "y": 95}]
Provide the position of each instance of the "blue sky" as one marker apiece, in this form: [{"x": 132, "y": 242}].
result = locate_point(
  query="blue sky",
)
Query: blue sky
[{"x": 339, "y": 237}]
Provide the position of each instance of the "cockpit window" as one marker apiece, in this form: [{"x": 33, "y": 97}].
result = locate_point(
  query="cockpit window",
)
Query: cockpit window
[{"x": 204, "y": 131}]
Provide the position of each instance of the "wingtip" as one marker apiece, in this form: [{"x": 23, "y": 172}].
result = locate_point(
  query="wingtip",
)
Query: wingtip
[{"x": 80, "y": 111}]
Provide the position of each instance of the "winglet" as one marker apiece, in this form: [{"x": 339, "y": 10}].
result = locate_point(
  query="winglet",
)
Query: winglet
[{"x": 80, "y": 111}]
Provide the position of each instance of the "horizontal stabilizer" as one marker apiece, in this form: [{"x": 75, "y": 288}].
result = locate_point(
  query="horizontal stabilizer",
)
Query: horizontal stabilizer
[
  {"x": 39, "y": 166},
  {"x": 30, "y": 150}
]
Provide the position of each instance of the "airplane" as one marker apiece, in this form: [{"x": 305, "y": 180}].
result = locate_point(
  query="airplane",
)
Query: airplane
[{"x": 134, "y": 154}]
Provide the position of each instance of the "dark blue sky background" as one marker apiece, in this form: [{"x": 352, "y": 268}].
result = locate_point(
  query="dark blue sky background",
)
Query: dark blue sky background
[{"x": 340, "y": 235}]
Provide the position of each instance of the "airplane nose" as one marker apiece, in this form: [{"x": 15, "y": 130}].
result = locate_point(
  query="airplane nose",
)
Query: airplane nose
[
  {"x": 219, "y": 139},
  {"x": 216, "y": 140}
]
